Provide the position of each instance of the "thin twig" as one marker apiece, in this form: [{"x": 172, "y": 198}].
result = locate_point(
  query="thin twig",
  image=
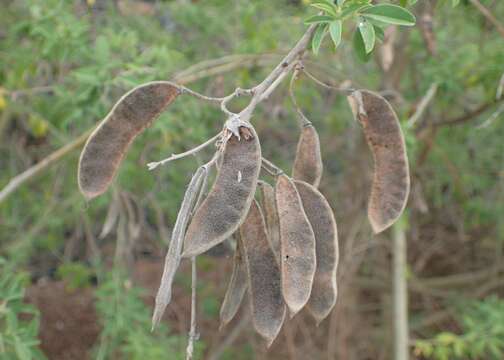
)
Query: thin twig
[
  {"x": 155, "y": 164},
  {"x": 271, "y": 168},
  {"x": 302, "y": 117},
  {"x": 192, "y": 332},
  {"x": 344, "y": 89},
  {"x": 489, "y": 16},
  {"x": 429, "y": 95}
]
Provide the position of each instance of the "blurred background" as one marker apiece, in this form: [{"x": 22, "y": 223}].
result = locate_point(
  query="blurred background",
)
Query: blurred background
[{"x": 77, "y": 279}]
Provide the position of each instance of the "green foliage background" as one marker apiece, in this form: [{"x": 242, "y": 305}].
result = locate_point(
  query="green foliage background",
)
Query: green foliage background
[{"x": 63, "y": 64}]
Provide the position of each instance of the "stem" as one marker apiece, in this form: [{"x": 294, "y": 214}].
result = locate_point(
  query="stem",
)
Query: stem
[
  {"x": 192, "y": 331},
  {"x": 271, "y": 168},
  {"x": 488, "y": 15},
  {"x": 153, "y": 165},
  {"x": 400, "y": 294},
  {"x": 302, "y": 117},
  {"x": 344, "y": 89}
]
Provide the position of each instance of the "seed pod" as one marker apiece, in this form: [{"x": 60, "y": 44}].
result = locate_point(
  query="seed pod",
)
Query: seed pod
[
  {"x": 297, "y": 246},
  {"x": 391, "y": 182},
  {"x": 109, "y": 142},
  {"x": 268, "y": 309},
  {"x": 271, "y": 215},
  {"x": 227, "y": 203},
  {"x": 236, "y": 288},
  {"x": 308, "y": 162},
  {"x": 321, "y": 217}
]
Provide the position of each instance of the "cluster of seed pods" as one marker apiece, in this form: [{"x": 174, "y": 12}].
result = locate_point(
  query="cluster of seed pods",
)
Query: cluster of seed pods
[{"x": 286, "y": 253}]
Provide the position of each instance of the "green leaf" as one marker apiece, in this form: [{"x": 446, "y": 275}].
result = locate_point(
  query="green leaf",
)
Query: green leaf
[
  {"x": 359, "y": 47},
  {"x": 455, "y": 2},
  {"x": 351, "y": 9},
  {"x": 335, "y": 29},
  {"x": 318, "y": 36},
  {"x": 325, "y": 7},
  {"x": 368, "y": 35},
  {"x": 316, "y": 19},
  {"x": 390, "y": 14},
  {"x": 340, "y": 2}
]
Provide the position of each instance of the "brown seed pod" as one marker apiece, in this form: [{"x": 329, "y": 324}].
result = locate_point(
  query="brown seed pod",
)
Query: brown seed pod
[
  {"x": 308, "y": 162},
  {"x": 321, "y": 217},
  {"x": 109, "y": 142},
  {"x": 297, "y": 246},
  {"x": 268, "y": 308},
  {"x": 236, "y": 288},
  {"x": 391, "y": 181},
  {"x": 268, "y": 205},
  {"x": 227, "y": 203}
]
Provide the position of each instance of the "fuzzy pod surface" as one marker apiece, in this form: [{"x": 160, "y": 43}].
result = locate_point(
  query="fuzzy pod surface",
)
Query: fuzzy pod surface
[
  {"x": 321, "y": 217},
  {"x": 268, "y": 308},
  {"x": 297, "y": 239},
  {"x": 107, "y": 145},
  {"x": 308, "y": 161},
  {"x": 391, "y": 180},
  {"x": 270, "y": 212},
  {"x": 236, "y": 287},
  {"x": 229, "y": 199}
]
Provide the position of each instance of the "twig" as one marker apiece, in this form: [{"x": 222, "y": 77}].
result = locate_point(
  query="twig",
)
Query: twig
[
  {"x": 155, "y": 164},
  {"x": 303, "y": 118},
  {"x": 344, "y": 89},
  {"x": 271, "y": 168},
  {"x": 20, "y": 179},
  {"x": 192, "y": 332},
  {"x": 429, "y": 95},
  {"x": 492, "y": 118},
  {"x": 400, "y": 294},
  {"x": 470, "y": 115},
  {"x": 489, "y": 16}
]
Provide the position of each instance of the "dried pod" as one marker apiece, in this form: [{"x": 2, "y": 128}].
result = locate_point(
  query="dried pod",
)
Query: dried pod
[
  {"x": 109, "y": 142},
  {"x": 268, "y": 308},
  {"x": 297, "y": 241},
  {"x": 227, "y": 203},
  {"x": 308, "y": 162},
  {"x": 236, "y": 288},
  {"x": 268, "y": 205},
  {"x": 321, "y": 217},
  {"x": 391, "y": 182}
]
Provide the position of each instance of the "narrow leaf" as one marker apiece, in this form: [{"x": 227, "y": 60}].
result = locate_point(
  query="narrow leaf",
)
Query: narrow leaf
[
  {"x": 391, "y": 14},
  {"x": 335, "y": 29},
  {"x": 368, "y": 35},
  {"x": 359, "y": 47},
  {"x": 319, "y": 19},
  {"x": 318, "y": 37},
  {"x": 324, "y": 7}
]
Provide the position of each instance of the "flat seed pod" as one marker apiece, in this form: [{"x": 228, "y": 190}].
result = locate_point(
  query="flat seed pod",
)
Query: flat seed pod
[
  {"x": 297, "y": 246},
  {"x": 321, "y": 217},
  {"x": 268, "y": 308},
  {"x": 236, "y": 288},
  {"x": 268, "y": 205},
  {"x": 109, "y": 142},
  {"x": 391, "y": 181},
  {"x": 308, "y": 162},
  {"x": 228, "y": 202}
]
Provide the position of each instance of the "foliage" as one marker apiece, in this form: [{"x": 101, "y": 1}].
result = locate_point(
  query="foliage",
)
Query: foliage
[
  {"x": 482, "y": 335},
  {"x": 19, "y": 321},
  {"x": 126, "y": 322}
]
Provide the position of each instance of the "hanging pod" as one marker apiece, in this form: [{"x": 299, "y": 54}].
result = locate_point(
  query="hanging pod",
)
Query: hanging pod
[
  {"x": 391, "y": 181},
  {"x": 236, "y": 288},
  {"x": 298, "y": 258},
  {"x": 268, "y": 205},
  {"x": 109, "y": 142},
  {"x": 229, "y": 199},
  {"x": 321, "y": 217},
  {"x": 308, "y": 162},
  {"x": 268, "y": 308}
]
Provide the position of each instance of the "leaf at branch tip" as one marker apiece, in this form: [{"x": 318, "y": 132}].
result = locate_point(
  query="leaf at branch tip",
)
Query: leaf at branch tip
[
  {"x": 109, "y": 142},
  {"x": 297, "y": 246},
  {"x": 236, "y": 288},
  {"x": 391, "y": 181},
  {"x": 308, "y": 164},
  {"x": 227, "y": 203},
  {"x": 173, "y": 256},
  {"x": 368, "y": 35},
  {"x": 318, "y": 37},
  {"x": 360, "y": 47},
  {"x": 335, "y": 30},
  {"x": 319, "y": 19},
  {"x": 390, "y": 14},
  {"x": 268, "y": 308},
  {"x": 321, "y": 217}
]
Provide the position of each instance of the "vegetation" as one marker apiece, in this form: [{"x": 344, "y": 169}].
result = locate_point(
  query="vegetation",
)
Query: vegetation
[{"x": 63, "y": 64}]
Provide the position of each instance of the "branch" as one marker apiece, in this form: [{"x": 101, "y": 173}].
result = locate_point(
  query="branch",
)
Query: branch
[
  {"x": 469, "y": 116},
  {"x": 192, "y": 332},
  {"x": 488, "y": 15}
]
